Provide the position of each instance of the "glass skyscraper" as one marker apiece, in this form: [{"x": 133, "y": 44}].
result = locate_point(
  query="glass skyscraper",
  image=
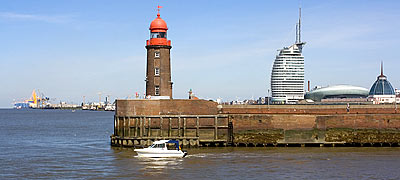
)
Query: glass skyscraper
[{"x": 287, "y": 76}]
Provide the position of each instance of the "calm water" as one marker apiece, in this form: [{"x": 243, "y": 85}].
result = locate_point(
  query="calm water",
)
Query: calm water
[{"x": 61, "y": 144}]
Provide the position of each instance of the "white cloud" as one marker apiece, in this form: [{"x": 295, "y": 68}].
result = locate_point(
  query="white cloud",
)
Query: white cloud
[{"x": 36, "y": 17}]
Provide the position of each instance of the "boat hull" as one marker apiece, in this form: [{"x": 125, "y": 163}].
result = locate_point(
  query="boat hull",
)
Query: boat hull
[{"x": 151, "y": 153}]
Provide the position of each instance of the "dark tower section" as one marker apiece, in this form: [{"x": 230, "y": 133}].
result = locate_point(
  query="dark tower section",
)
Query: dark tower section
[{"x": 158, "y": 73}]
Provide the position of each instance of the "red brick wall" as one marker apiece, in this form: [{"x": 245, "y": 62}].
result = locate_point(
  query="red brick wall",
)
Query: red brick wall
[
  {"x": 298, "y": 122},
  {"x": 165, "y": 107},
  {"x": 307, "y": 109},
  {"x": 261, "y": 121},
  {"x": 364, "y": 121}
]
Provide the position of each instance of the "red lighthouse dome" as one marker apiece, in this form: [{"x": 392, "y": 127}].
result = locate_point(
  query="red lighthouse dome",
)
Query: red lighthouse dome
[{"x": 158, "y": 25}]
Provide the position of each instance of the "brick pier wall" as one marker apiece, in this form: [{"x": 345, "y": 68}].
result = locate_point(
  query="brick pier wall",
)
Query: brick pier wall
[
  {"x": 165, "y": 107},
  {"x": 283, "y": 124},
  {"x": 309, "y": 109},
  {"x": 307, "y": 122},
  {"x": 294, "y": 128}
]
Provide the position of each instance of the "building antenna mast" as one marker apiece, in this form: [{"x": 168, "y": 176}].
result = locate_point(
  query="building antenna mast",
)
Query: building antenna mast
[{"x": 298, "y": 28}]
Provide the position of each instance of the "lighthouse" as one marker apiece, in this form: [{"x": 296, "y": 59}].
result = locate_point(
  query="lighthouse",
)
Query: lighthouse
[{"x": 158, "y": 71}]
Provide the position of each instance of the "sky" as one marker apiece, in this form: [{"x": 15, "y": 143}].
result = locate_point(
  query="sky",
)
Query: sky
[{"x": 68, "y": 49}]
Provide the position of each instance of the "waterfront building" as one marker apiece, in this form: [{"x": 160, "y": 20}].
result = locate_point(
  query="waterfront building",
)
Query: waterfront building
[
  {"x": 382, "y": 91},
  {"x": 158, "y": 72},
  {"x": 338, "y": 93},
  {"x": 287, "y": 76}
]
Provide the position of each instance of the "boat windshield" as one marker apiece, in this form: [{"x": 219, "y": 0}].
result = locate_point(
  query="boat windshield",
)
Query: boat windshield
[
  {"x": 171, "y": 146},
  {"x": 157, "y": 146}
]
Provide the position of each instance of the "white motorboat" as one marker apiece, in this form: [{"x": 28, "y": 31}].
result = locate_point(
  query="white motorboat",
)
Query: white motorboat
[{"x": 162, "y": 149}]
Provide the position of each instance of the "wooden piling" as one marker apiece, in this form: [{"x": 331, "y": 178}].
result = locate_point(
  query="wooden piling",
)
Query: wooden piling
[
  {"x": 115, "y": 125},
  {"x": 197, "y": 126},
  {"x": 144, "y": 126},
  {"x": 137, "y": 130},
  {"x": 123, "y": 127},
  {"x": 179, "y": 126},
  {"x": 215, "y": 128},
  {"x": 136, "y": 127},
  {"x": 184, "y": 127},
  {"x": 141, "y": 127},
  {"x": 149, "y": 128},
  {"x": 169, "y": 127},
  {"x": 129, "y": 126},
  {"x": 161, "y": 123}
]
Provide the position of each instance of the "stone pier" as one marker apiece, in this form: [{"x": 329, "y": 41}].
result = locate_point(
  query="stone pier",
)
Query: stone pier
[{"x": 204, "y": 123}]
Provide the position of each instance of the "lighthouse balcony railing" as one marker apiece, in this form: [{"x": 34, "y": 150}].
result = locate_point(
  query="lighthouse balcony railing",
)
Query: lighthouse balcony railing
[{"x": 158, "y": 41}]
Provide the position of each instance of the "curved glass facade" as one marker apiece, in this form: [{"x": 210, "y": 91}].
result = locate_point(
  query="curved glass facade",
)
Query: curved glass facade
[
  {"x": 381, "y": 87},
  {"x": 287, "y": 77}
]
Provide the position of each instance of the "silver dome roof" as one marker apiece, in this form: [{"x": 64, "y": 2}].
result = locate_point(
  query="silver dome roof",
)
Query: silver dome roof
[{"x": 381, "y": 86}]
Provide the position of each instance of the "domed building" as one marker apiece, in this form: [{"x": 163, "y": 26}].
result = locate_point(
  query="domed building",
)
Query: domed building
[
  {"x": 339, "y": 93},
  {"x": 382, "y": 91}
]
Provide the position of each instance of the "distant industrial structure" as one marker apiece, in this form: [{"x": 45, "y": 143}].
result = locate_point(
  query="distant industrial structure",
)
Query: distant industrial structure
[
  {"x": 39, "y": 101},
  {"x": 287, "y": 76}
]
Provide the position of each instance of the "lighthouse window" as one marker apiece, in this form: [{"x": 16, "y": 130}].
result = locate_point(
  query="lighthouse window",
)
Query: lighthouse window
[
  {"x": 158, "y": 35},
  {"x": 157, "y": 72},
  {"x": 157, "y": 54},
  {"x": 157, "y": 91}
]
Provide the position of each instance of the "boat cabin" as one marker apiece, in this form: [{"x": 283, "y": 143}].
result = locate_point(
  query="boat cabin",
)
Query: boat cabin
[{"x": 169, "y": 144}]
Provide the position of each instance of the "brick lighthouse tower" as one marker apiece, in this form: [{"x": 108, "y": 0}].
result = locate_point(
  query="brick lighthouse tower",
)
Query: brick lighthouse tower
[{"x": 158, "y": 73}]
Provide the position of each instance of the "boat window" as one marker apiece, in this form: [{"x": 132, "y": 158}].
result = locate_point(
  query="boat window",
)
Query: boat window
[
  {"x": 157, "y": 146},
  {"x": 171, "y": 146}
]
